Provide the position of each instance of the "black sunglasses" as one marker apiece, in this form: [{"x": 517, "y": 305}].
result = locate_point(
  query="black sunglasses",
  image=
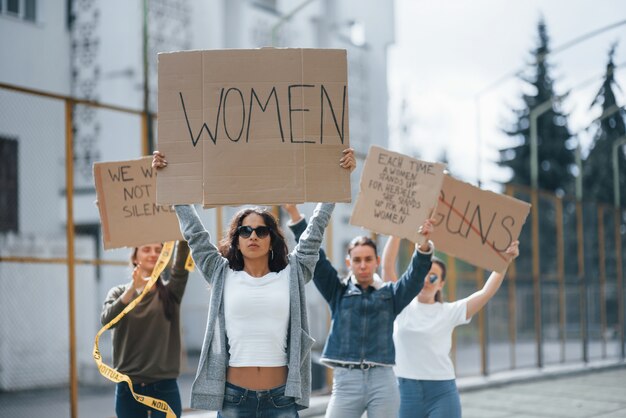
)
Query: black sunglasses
[{"x": 246, "y": 231}]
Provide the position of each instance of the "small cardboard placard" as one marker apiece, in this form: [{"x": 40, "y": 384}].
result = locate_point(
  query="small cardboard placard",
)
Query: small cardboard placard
[
  {"x": 397, "y": 193},
  {"x": 477, "y": 225},
  {"x": 129, "y": 214},
  {"x": 259, "y": 126}
]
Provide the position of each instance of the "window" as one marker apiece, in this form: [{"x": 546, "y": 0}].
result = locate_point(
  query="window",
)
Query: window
[
  {"x": 22, "y": 9},
  {"x": 8, "y": 185},
  {"x": 269, "y": 5},
  {"x": 13, "y": 6},
  {"x": 29, "y": 10}
]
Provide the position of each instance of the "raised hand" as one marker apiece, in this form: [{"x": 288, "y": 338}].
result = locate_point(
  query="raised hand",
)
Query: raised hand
[
  {"x": 158, "y": 160},
  {"x": 139, "y": 282},
  {"x": 512, "y": 251},
  {"x": 425, "y": 230},
  {"x": 293, "y": 212},
  {"x": 348, "y": 161}
]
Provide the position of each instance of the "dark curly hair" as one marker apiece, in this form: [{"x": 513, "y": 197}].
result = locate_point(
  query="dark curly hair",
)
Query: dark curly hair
[{"x": 229, "y": 245}]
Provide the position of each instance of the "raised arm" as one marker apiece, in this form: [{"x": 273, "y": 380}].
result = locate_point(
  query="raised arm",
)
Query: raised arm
[
  {"x": 477, "y": 300},
  {"x": 412, "y": 281},
  {"x": 179, "y": 276},
  {"x": 294, "y": 216},
  {"x": 308, "y": 250},
  {"x": 325, "y": 276},
  {"x": 390, "y": 255},
  {"x": 120, "y": 296},
  {"x": 114, "y": 303},
  {"x": 309, "y": 243},
  {"x": 205, "y": 255}
]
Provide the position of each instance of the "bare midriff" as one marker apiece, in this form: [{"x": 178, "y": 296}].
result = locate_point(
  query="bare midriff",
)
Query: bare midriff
[{"x": 257, "y": 378}]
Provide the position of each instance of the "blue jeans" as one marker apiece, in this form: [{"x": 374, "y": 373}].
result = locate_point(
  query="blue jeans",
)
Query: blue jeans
[
  {"x": 429, "y": 399},
  {"x": 166, "y": 390},
  {"x": 355, "y": 391},
  {"x": 245, "y": 403}
]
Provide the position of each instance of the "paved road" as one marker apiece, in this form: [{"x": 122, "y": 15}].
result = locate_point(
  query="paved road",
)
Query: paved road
[
  {"x": 597, "y": 394},
  {"x": 571, "y": 391}
]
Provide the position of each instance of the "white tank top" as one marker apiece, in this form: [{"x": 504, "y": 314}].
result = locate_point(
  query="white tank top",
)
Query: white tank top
[{"x": 257, "y": 318}]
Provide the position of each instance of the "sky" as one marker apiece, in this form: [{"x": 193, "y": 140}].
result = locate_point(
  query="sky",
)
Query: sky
[{"x": 450, "y": 60}]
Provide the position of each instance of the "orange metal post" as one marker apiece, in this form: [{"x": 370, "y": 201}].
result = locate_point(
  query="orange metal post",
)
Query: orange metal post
[
  {"x": 602, "y": 269},
  {"x": 620, "y": 278},
  {"x": 560, "y": 248},
  {"x": 482, "y": 327},
  {"x": 582, "y": 281},
  {"x": 69, "y": 187},
  {"x": 452, "y": 280},
  {"x": 145, "y": 143},
  {"x": 511, "y": 274},
  {"x": 536, "y": 278}
]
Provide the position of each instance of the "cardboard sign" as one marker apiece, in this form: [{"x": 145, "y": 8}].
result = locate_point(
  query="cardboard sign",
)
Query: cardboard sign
[
  {"x": 129, "y": 214},
  {"x": 397, "y": 193},
  {"x": 261, "y": 126},
  {"x": 477, "y": 225}
]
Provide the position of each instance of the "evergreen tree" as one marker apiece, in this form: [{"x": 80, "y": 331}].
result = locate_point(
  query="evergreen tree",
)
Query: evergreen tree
[
  {"x": 556, "y": 160},
  {"x": 598, "y": 167}
]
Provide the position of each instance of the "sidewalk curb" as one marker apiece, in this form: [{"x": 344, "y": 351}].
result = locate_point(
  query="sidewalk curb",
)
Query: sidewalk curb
[
  {"x": 318, "y": 404},
  {"x": 504, "y": 378}
]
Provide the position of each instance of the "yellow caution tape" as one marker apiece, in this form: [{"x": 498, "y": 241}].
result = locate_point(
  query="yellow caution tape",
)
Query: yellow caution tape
[
  {"x": 189, "y": 264},
  {"x": 112, "y": 374}
]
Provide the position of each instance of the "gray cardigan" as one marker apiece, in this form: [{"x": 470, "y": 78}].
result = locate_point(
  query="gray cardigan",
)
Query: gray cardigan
[{"x": 207, "y": 391}]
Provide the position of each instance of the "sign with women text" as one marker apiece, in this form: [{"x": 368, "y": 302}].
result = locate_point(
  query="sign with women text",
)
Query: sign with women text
[
  {"x": 258, "y": 126},
  {"x": 129, "y": 214},
  {"x": 477, "y": 225},
  {"x": 397, "y": 193}
]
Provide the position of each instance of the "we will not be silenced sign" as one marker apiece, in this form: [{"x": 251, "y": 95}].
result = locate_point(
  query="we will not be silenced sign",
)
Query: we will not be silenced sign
[
  {"x": 397, "y": 193},
  {"x": 129, "y": 214},
  {"x": 261, "y": 126}
]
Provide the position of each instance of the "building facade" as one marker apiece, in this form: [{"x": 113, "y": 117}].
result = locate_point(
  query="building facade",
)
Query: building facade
[{"x": 103, "y": 51}]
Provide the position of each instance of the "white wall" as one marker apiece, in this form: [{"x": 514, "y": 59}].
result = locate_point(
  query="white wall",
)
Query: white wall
[
  {"x": 34, "y": 343},
  {"x": 40, "y": 58},
  {"x": 36, "y": 54}
]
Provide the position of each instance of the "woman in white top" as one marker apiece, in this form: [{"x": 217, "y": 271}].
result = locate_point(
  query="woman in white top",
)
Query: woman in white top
[
  {"x": 255, "y": 359},
  {"x": 423, "y": 338}
]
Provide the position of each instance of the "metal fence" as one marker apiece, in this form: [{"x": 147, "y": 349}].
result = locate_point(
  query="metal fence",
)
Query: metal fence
[{"x": 562, "y": 301}]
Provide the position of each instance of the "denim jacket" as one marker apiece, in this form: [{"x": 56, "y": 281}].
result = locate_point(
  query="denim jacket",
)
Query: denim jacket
[{"x": 362, "y": 320}]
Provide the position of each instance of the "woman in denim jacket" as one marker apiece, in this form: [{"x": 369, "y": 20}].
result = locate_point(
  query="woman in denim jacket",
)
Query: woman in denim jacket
[
  {"x": 360, "y": 345},
  {"x": 256, "y": 352},
  {"x": 423, "y": 338}
]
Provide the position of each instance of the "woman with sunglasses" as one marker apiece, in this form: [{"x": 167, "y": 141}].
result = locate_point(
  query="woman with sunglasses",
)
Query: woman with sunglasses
[
  {"x": 359, "y": 346},
  {"x": 256, "y": 353},
  {"x": 423, "y": 338}
]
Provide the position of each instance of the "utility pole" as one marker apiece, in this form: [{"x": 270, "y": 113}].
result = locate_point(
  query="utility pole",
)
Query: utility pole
[{"x": 149, "y": 135}]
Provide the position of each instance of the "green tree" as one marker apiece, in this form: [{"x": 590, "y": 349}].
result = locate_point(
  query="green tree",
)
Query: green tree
[
  {"x": 597, "y": 167},
  {"x": 556, "y": 159}
]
